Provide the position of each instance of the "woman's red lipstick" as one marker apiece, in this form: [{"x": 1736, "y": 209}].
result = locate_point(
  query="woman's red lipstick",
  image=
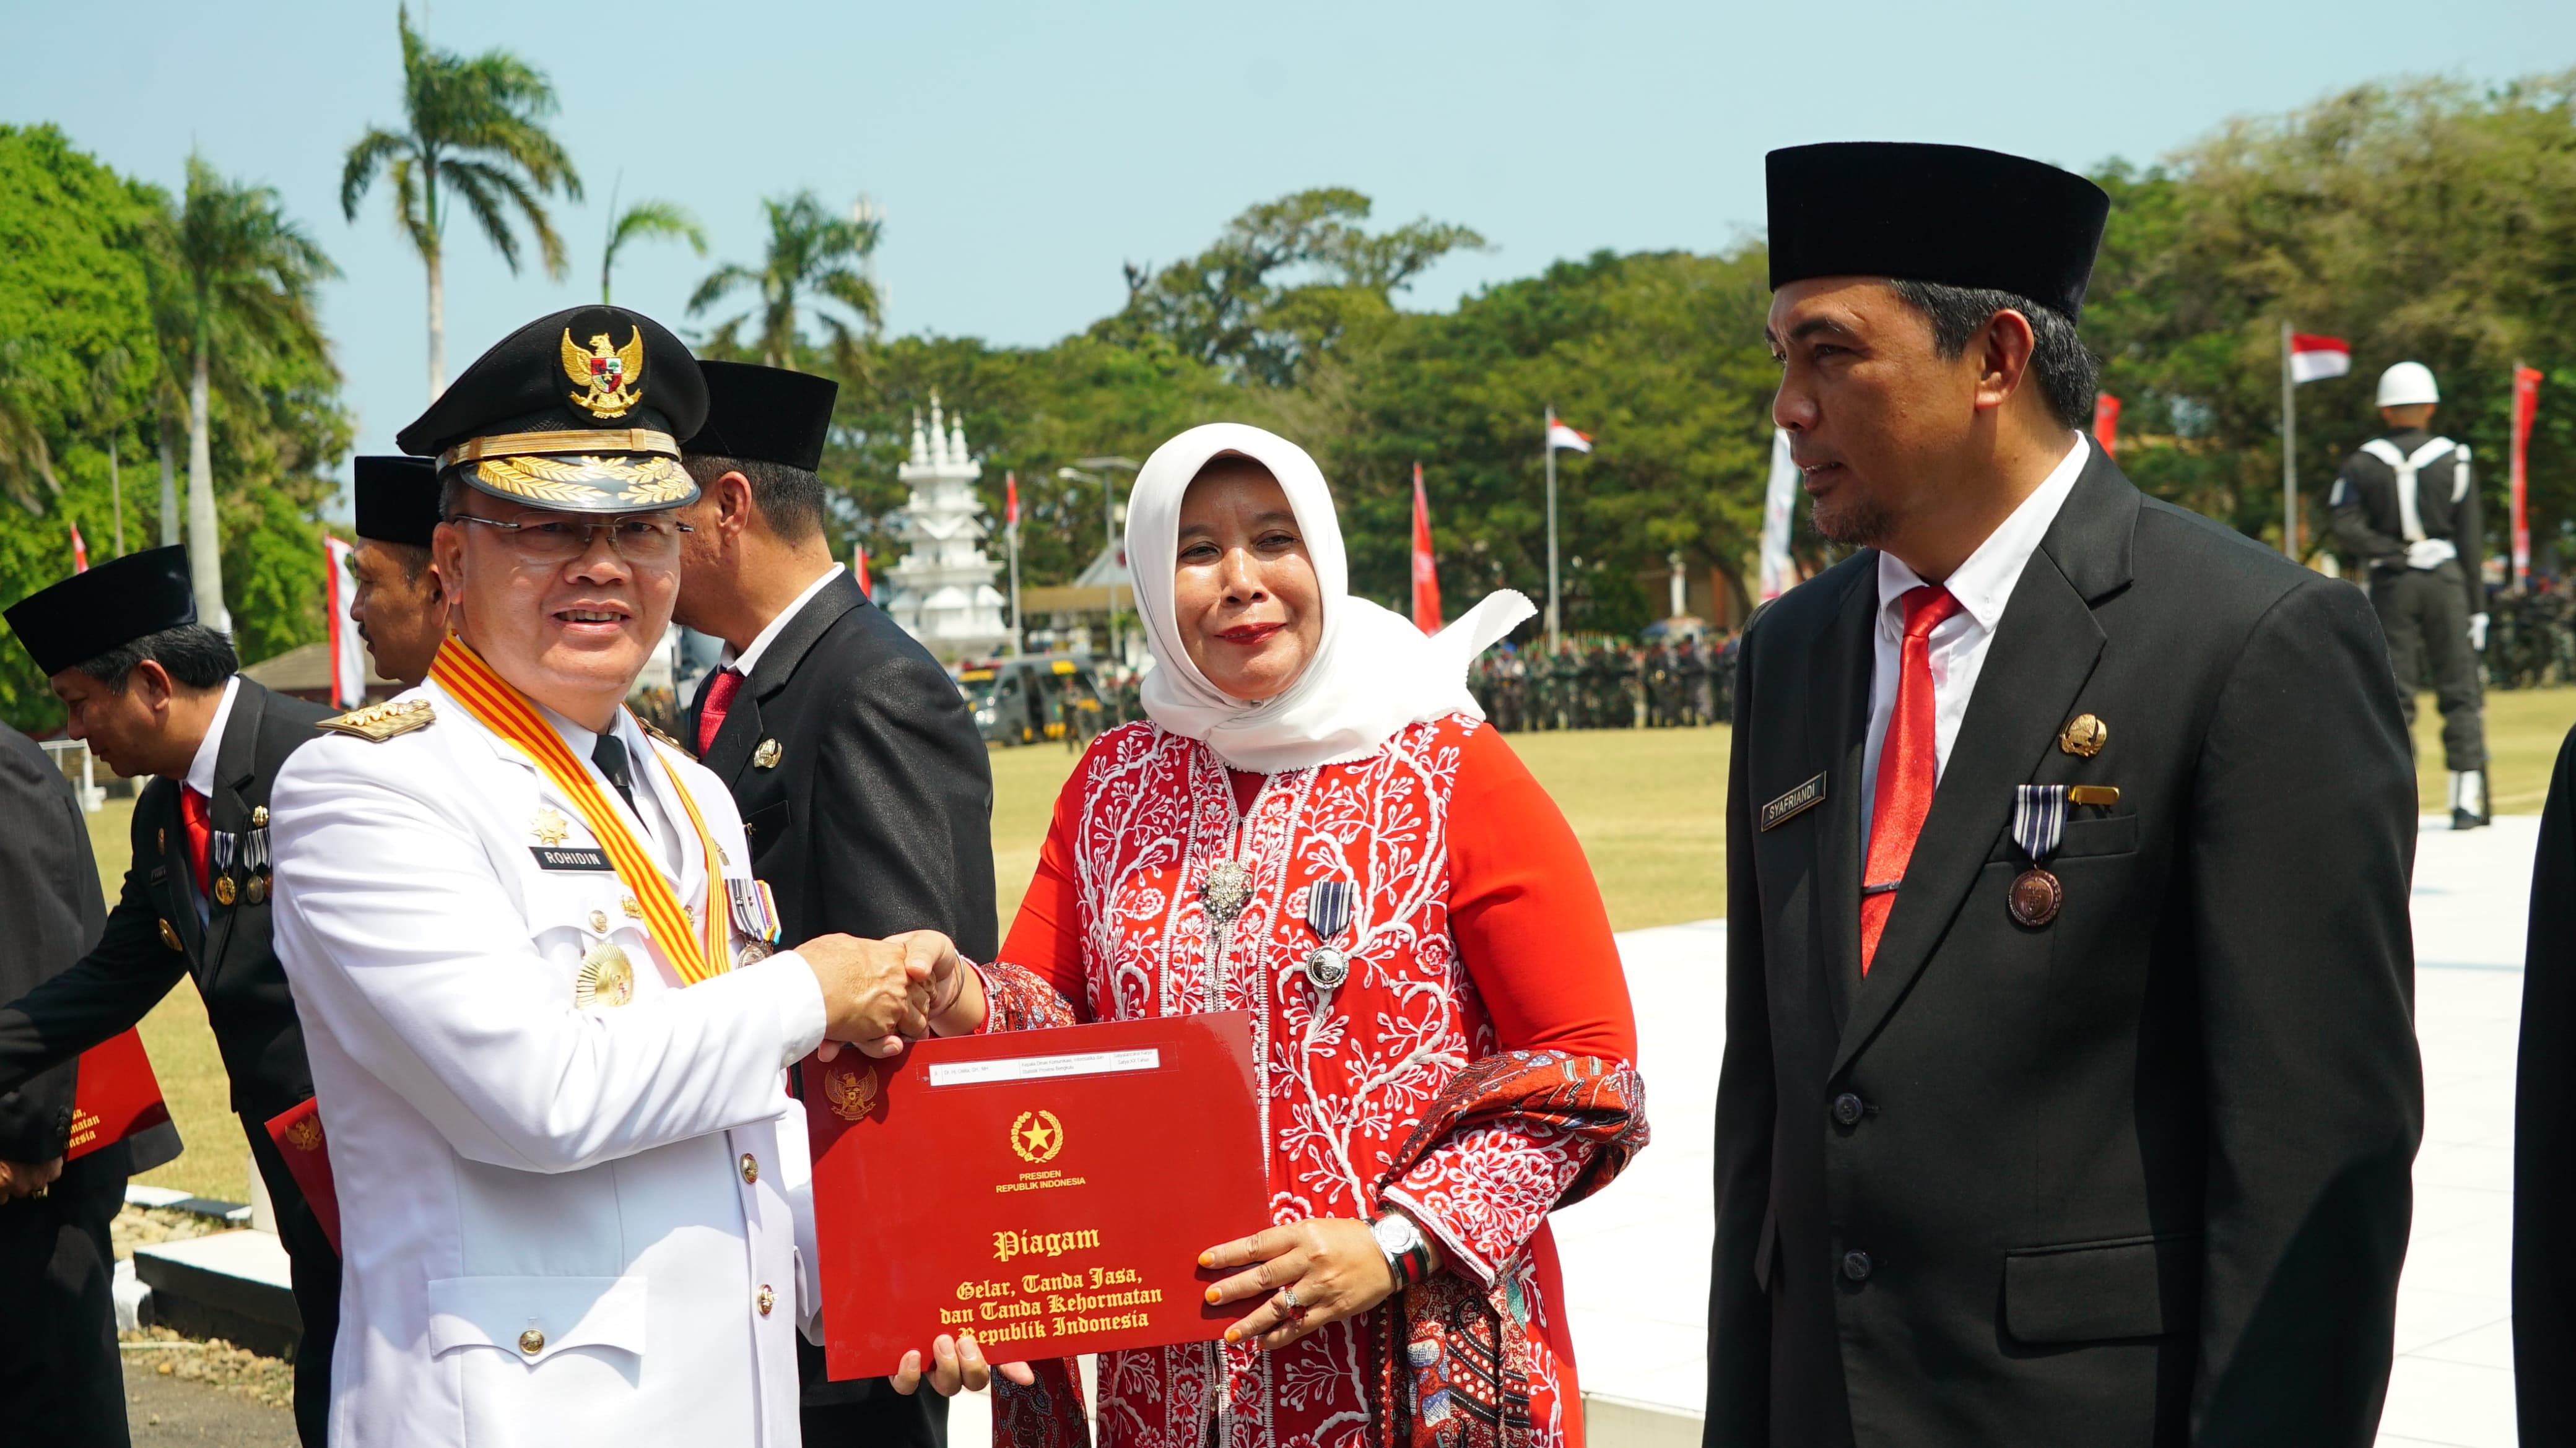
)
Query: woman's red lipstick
[{"x": 1250, "y": 633}]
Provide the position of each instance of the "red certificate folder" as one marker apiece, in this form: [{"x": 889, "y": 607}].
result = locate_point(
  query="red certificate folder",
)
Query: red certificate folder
[
  {"x": 116, "y": 1096},
  {"x": 1048, "y": 1190},
  {"x": 298, "y": 1133}
]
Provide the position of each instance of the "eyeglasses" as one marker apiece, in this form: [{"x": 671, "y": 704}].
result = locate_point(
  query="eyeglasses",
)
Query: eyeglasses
[{"x": 637, "y": 540}]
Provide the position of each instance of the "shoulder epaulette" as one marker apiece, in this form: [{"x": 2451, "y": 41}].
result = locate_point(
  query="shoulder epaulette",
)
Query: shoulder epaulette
[
  {"x": 377, "y": 723},
  {"x": 652, "y": 733}
]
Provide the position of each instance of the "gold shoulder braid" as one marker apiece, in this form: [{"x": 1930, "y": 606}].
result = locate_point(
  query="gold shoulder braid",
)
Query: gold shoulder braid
[{"x": 377, "y": 723}]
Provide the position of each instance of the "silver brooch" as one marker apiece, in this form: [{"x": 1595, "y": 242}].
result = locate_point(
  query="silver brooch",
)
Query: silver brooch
[{"x": 1225, "y": 891}]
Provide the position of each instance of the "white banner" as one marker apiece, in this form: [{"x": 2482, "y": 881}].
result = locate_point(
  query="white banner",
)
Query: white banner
[{"x": 1777, "y": 505}]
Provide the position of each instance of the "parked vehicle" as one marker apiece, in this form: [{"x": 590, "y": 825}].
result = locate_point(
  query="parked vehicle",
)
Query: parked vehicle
[{"x": 1025, "y": 700}]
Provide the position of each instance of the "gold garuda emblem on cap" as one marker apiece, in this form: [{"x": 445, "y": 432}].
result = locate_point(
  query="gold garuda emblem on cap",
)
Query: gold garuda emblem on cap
[
  {"x": 852, "y": 1091},
  {"x": 612, "y": 380}
]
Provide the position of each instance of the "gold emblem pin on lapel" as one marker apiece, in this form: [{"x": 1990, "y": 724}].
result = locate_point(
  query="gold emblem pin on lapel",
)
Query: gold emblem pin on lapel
[
  {"x": 2084, "y": 736},
  {"x": 766, "y": 756},
  {"x": 549, "y": 827},
  {"x": 259, "y": 816}
]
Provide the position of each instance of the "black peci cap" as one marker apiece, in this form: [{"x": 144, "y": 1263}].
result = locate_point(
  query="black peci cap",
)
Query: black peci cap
[
  {"x": 108, "y": 607},
  {"x": 579, "y": 411},
  {"x": 397, "y": 499},
  {"x": 1951, "y": 215},
  {"x": 765, "y": 414}
]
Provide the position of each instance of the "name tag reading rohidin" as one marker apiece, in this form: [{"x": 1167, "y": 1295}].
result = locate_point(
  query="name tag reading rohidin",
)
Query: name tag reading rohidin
[{"x": 1049, "y": 1191}]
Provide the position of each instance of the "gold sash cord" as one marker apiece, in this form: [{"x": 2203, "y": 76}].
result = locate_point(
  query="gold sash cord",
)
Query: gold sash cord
[{"x": 506, "y": 712}]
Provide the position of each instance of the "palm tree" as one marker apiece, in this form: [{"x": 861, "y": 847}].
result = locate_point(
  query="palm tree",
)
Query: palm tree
[
  {"x": 471, "y": 129},
  {"x": 666, "y": 219},
  {"x": 243, "y": 278},
  {"x": 24, "y": 458},
  {"x": 813, "y": 256}
]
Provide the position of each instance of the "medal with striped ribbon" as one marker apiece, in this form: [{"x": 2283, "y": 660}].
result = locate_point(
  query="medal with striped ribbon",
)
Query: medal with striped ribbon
[{"x": 505, "y": 711}]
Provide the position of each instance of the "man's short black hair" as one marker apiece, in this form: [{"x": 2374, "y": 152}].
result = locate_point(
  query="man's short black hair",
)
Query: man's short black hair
[
  {"x": 195, "y": 655},
  {"x": 2067, "y": 373},
  {"x": 790, "y": 498}
]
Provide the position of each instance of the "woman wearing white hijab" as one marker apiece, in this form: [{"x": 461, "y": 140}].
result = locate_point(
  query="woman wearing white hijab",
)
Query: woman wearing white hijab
[{"x": 1442, "y": 1031}]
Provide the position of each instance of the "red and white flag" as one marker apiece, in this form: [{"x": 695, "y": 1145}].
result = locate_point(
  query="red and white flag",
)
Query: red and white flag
[
  {"x": 1011, "y": 500},
  {"x": 2314, "y": 358},
  {"x": 859, "y": 568},
  {"x": 348, "y": 650},
  {"x": 80, "y": 551},
  {"x": 1561, "y": 436},
  {"x": 1426, "y": 579},
  {"x": 2526, "y": 407},
  {"x": 2106, "y": 421}
]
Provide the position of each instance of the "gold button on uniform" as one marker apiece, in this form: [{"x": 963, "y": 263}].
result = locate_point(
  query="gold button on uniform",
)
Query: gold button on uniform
[
  {"x": 599, "y": 922},
  {"x": 750, "y": 1167},
  {"x": 532, "y": 1342},
  {"x": 170, "y": 936},
  {"x": 766, "y": 1298}
]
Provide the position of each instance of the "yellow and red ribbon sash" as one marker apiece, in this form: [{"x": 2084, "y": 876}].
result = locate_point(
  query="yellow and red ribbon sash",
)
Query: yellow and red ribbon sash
[{"x": 505, "y": 711}]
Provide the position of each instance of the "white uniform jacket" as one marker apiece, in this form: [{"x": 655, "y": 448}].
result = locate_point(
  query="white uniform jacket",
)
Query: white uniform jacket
[{"x": 559, "y": 1225}]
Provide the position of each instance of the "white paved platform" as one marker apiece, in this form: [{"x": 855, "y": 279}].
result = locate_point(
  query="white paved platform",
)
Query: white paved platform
[{"x": 1636, "y": 1257}]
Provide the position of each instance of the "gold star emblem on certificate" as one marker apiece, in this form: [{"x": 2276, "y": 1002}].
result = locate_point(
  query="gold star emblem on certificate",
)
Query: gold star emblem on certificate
[{"x": 549, "y": 827}]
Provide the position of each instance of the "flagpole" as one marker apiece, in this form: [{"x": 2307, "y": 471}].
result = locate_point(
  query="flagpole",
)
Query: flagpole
[
  {"x": 1019, "y": 634},
  {"x": 2289, "y": 451},
  {"x": 1547, "y": 445}
]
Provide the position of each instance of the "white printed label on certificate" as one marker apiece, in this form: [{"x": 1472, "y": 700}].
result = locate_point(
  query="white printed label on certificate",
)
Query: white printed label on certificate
[{"x": 1040, "y": 1068}]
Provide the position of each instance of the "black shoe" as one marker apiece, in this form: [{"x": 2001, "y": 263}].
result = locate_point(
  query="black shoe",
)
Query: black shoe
[{"x": 2463, "y": 820}]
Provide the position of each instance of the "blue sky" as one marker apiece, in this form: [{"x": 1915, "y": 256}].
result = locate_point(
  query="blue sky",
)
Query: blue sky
[{"x": 1022, "y": 152}]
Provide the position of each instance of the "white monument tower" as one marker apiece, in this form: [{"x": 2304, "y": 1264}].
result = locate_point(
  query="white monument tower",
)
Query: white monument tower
[{"x": 942, "y": 592}]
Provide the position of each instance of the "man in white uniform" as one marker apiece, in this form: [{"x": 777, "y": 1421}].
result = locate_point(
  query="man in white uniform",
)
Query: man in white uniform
[{"x": 547, "y": 1029}]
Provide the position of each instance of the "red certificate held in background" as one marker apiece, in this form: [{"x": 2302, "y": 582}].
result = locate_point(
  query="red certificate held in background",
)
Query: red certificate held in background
[
  {"x": 115, "y": 1097},
  {"x": 1049, "y": 1191}
]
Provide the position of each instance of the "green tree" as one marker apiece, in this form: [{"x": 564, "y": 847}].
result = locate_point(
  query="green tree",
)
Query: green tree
[
  {"x": 472, "y": 126},
  {"x": 247, "y": 276},
  {"x": 1283, "y": 283},
  {"x": 83, "y": 253},
  {"x": 25, "y": 459},
  {"x": 811, "y": 257},
  {"x": 665, "y": 220},
  {"x": 2425, "y": 219}
]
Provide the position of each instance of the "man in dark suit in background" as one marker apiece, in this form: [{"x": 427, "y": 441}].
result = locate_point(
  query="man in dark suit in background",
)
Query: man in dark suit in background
[
  {"x": 400, "y": 605},
  {"x": 155, "y": 692},
  {"x": 863, "y": 785},
  {"x": 2544, "y": 1131},
  {"x": 2070, "y": 1091},
  {"x": 60, "y": 1381}
]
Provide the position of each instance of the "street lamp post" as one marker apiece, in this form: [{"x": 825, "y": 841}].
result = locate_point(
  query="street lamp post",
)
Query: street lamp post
[{"x": 1088, "y": 470}]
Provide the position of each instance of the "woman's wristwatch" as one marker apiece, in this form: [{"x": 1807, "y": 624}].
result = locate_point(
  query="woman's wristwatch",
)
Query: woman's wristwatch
[{"x": 1408, "y": 1252}]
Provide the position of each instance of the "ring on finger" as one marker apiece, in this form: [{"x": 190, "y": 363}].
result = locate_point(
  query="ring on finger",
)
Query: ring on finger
[{"x": 1288, "y": 1304}]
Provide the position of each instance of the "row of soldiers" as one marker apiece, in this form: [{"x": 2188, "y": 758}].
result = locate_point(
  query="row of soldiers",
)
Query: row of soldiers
[{"x": 1603, "y": 684}]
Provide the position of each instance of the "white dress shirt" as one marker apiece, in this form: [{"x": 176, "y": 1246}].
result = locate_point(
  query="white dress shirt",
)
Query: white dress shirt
[
  {"x": 1983, "y": 585},
  {"x": 201, "y": 769},
  {"x": 749, "y": 659}
]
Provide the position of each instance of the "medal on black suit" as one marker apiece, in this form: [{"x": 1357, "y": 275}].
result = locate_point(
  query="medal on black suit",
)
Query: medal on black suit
[{"x": 2039, "y": 825}]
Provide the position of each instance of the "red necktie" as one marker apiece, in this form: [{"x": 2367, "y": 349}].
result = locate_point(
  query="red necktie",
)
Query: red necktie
[
  {"x": 192, "y": 814},
  {"x": 1908, "y": 766},
  {"x": 711, "y": 713}
]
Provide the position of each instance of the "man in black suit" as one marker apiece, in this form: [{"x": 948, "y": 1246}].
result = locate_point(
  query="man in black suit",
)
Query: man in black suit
[
  {"x": 863, "y": 785},
  {"x": 2544, "y": 1130},
  {"x": 155, "y": 692},
  {"x": 60, "y": 1381},
  {"x": 2070, "y": 1091},
  {"x": 399, "y": 604}
]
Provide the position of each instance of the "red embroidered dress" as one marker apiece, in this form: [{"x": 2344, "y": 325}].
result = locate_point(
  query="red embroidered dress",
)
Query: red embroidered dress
[{"x": 1476, "y": 933}]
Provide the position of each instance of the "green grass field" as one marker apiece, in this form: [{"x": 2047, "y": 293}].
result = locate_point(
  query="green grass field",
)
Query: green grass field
[{"x": 1648, "y": 806}]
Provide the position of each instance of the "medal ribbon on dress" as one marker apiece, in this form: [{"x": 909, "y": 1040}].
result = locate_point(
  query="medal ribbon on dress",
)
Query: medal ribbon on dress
[
  {"x": 505, "y": 711},
  {"x": 2039, "y": 820},
  {"x": 1328, "y": 908}
]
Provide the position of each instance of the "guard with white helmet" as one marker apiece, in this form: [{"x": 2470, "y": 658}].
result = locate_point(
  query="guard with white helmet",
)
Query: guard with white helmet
[{"x": 2406, "y": 506}]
